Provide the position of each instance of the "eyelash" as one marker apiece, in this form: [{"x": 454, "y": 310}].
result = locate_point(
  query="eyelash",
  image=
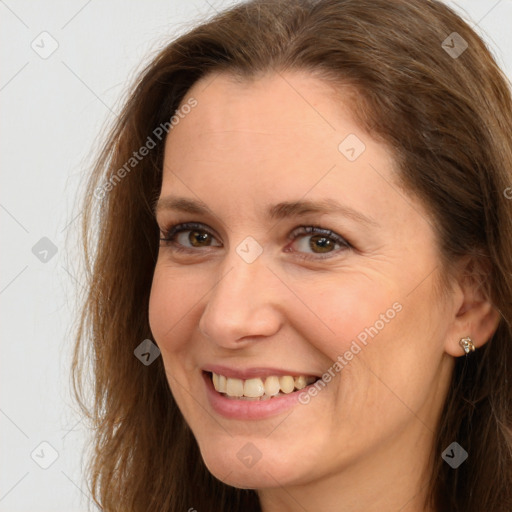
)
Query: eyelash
[{"x": 170, "y": 233}]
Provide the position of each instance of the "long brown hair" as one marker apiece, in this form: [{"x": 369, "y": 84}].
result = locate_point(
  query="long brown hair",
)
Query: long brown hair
[{"x": 448, "y": 120}]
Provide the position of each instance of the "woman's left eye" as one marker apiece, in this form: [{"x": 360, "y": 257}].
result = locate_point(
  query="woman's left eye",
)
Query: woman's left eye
[{"x": 318, "y": 241}]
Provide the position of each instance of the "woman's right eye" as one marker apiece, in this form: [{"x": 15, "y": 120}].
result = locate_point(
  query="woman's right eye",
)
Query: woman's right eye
[{"x": 189, "y": 236}]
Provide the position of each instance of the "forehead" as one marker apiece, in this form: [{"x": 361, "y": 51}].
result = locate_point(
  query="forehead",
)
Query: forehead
[
  {"x": 295, "y": 104},
  {"x": 276, "y": 127}
]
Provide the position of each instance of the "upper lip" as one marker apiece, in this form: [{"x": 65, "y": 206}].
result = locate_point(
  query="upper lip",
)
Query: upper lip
[{"x": 250, "y": 373}]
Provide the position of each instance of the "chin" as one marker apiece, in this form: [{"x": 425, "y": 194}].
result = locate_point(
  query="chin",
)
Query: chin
[{"x": 241, "y": 468}]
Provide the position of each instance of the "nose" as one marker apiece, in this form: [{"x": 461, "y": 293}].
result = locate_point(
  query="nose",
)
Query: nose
[{"x": 243, "y": 305}]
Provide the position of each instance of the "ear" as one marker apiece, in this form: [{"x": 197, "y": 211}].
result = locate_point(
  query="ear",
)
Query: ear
[{"x": 475, "y": 315}]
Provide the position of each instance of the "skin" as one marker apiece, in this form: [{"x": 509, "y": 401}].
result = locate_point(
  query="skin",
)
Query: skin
[{"x": 363, "y": 442}]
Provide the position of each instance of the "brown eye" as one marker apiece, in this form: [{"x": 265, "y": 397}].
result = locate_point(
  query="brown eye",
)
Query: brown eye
[
  {"x": 198, "y": 238},
  {"x": 321, "y": 244},
  {"x": 188, "y": 236},
  {"x": 316, "y": 242}
]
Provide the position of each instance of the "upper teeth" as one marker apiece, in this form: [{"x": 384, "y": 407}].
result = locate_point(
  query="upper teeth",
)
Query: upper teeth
[{"x": 255, "y": 388}]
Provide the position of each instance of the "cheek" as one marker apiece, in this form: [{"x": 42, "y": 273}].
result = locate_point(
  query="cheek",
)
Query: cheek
[
  {"x": 161, "y": 305},
  {"x": 340, "y": 310},
  {"x": 366, "y": 327},
  {"x": 171, "y": 305},
  {"x": 172, "y": 319}
]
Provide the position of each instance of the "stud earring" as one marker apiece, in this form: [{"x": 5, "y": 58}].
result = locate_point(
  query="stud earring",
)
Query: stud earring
[{"x": 467, "y": 345}]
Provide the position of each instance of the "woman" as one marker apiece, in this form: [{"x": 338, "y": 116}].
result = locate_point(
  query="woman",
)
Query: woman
[{"x": 299, "y": 291}]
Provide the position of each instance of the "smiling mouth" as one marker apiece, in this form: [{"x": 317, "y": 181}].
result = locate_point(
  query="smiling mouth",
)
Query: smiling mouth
[{"x": 257, "y": 388}]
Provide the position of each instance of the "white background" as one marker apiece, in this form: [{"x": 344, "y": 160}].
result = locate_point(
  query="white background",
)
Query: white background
[{"x": 52, "y": 114}]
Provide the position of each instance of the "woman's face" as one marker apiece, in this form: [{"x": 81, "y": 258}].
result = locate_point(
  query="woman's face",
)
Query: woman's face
[{"x": 304, "y": 258}]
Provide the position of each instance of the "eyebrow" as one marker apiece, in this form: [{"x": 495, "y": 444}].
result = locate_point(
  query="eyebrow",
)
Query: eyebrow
[{"x": 283, "y": 210}]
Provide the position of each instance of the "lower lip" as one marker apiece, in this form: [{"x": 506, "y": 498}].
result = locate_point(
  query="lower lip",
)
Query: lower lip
[{"x": 249, "y": 409}]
